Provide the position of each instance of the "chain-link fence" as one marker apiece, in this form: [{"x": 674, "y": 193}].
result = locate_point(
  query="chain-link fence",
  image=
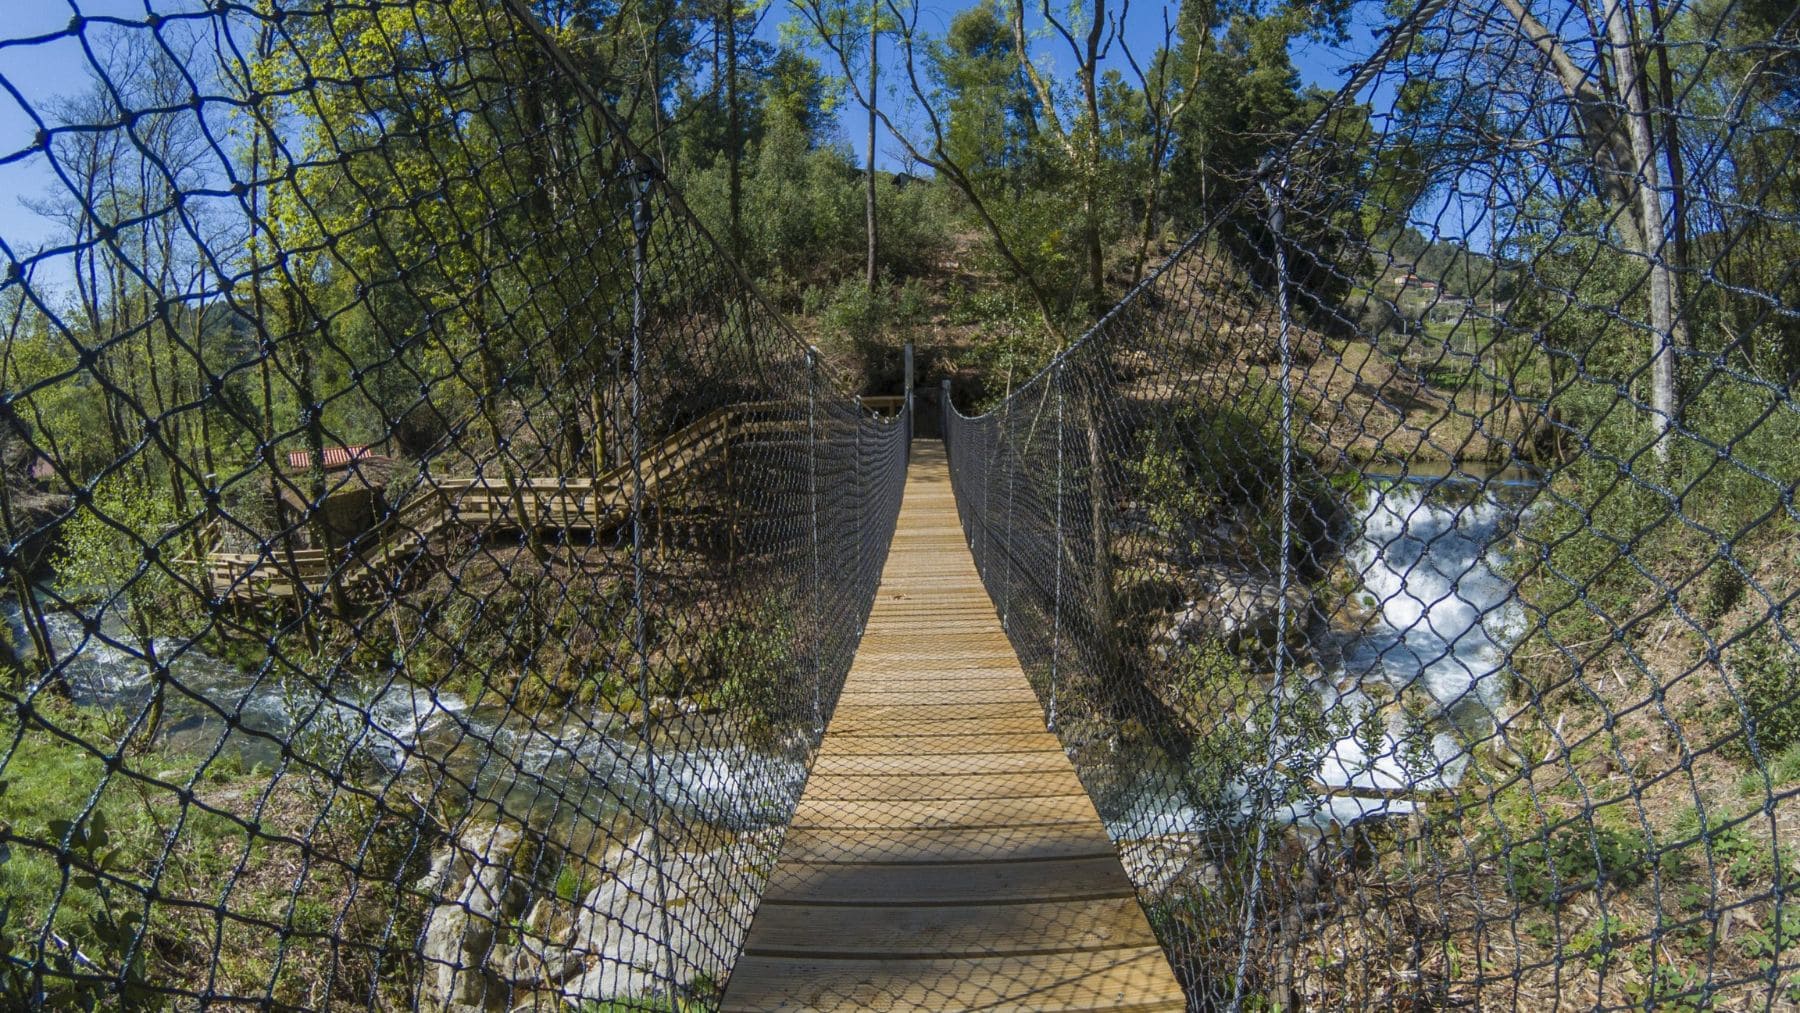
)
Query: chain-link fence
[
  {"x": 430, "y": 565},
  {"x": 1410, "y": 564}
]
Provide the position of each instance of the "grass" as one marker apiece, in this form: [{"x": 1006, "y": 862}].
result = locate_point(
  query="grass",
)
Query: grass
[{"x": 166, "y": 872}]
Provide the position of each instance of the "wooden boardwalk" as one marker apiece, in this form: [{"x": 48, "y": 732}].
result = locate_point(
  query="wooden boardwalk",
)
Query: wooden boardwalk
[{"x": 944, "y": 855}]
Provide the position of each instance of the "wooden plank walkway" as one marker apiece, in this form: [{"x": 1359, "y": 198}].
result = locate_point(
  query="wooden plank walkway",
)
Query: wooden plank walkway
[{"x": 944, "y": 855}]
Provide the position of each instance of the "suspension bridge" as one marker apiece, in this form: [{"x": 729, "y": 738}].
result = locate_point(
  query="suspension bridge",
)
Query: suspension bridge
[
  {"x": 944, "y": 855},
  {"x": 1387, "y": 603}
]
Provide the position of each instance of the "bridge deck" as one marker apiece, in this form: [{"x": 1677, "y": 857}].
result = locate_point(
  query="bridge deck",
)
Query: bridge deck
[{"x": 944, "y": 855}]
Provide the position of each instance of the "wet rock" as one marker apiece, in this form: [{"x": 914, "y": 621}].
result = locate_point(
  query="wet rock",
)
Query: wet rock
[
  {"x": 701, "y": 904},
  {"x": 476, "y": 892},
  {"x": 542, "y": 957},
  {"x": 1168, "y": 865},
  {"x": 640, "y": 934},
  {"x": 1236, "y": 608}
]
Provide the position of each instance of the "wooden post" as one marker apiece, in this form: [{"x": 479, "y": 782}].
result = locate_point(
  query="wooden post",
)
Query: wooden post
[
  {"x": 599, "y": 438},
  {"x": 906, "y": 402},
  {"x": 946, "y": 413},
  {"x": 731, "y": 507}
]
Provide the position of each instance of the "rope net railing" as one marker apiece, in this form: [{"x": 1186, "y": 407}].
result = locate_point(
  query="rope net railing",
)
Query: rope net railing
[
  {"x": 429, "y": 565},
  {"x": 1410, "y": 565}
]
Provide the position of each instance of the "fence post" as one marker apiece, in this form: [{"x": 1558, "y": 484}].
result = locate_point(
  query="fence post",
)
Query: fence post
[
  {"x": 856, "y": 465},
  {"x": 731, "y": 502},
  {"x": 906, "y": 403},
  {"x": 643, "y": 181},
  {"x": 1004, "y": 439},
  {"x": 812, "y": 511},
  {"x": 945, "y": 412},
  {"x": 1056, "y": 609},
  {"x": 1275, "y": 192}
]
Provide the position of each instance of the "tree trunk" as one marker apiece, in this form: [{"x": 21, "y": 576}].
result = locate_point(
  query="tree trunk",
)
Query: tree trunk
[
  {"x": 1091, "y": 171},
  {"x": 874, "y": 82},
  {"x": 1100, "y": 589},
  {"x": 1664, "y": 398},
  {"x": 317, "y": 518},
  {"x": 735, "y": 141},
  {"x": 1152, "y": 204},
  {"x": 1678, "y": 205}
]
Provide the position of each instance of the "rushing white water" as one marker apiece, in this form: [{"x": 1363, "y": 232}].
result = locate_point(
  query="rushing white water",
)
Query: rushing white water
[
  {"x": 595, "y": 765},
  {"x": 1446, "y": 614},
  {"x": 1442, "y": 615}
]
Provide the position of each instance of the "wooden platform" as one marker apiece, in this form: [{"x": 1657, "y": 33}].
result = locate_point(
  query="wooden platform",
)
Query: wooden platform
[{"x": 944, "y": 856}]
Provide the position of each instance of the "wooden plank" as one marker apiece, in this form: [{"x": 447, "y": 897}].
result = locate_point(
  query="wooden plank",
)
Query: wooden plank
[
  {"x": 890, "y": 723},
  {"x": 944, "y": 786},
  {"x": 953, "y": 930},
  {"x": 928, "y": 712},
  {"x": 1125, "y": 979},
  {"x": 912, "y": 741},
  {"x": 897, "y": 678},
  {"x": 817, "y": 845},
  {"x": 937, "y": 695},
  {"x": 1003, "y": 880},
  {"x": 937, "y": 764},
  {"x": 981, "y": 812}
]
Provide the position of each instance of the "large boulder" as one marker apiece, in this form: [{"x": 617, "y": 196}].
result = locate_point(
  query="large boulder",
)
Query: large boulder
[
  {"x": 643, "y": 934},
  {"x": 1236, "y": 608},
  {"x": 664, "y": 920},
  {"x": 1169, "y": 865},
  {"x": 476, "y": 890}
]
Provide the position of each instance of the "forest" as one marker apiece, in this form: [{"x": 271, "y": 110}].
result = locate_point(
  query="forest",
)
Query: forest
[{"x": 337, "y": 313}]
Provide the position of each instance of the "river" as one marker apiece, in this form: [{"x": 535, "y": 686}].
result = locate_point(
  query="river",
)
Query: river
[
  {"x": 1432, "y": 613},
  {"x": 1435, "y": 613},
  {"x": 382, "y": 729}
]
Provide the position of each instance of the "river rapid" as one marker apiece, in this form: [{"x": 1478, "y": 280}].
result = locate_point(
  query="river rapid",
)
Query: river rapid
[
  {"x": 1432, "y": 616},
  {"x": 384, "y": 730}
]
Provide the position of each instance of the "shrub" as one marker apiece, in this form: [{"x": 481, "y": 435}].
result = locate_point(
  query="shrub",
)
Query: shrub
[
  {"x": 1566, "y": 860},
  {"x": 130, "y": 876},
  {"x": 1765, "y": 672}
]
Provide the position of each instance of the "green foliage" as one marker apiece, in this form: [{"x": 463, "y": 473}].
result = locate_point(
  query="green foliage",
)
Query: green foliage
[
  {"x": 105, "y": 943},
  {"x": 743, "y": 664},
  {"x": 1195, "y": 468},
  {"x": 1769, "y": 943},
  {"x": 130, "y": 541},
  {"x": 1608, "y": 497},
  {"x": 1777, "y": 774},
  {"x": 89, "y": 835},
  {"x": 804, "y": 214},
  {"x": 874, "y": 320},
  {"x": 89, "y": 890},
  {"x": 572, "y": 884},
  {"x": 1765, "y": 674},
  {"x": 1738, "y": 857},
  {"x": 1218, "y": 692},
  {"x": 1598, "y": 943},
  {"x": 1666, "y": 986},
  {"x": 1558, "y": 862},
  {"x": 1176, "y": 502}
]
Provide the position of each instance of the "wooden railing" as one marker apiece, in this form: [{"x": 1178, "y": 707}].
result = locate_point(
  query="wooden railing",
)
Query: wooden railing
[{"x": 596, "y": 504}]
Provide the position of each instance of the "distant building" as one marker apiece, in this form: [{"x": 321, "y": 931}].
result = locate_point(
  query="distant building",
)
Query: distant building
[
  {"x": 336, "y": 458},
  {"x": 42, "y": 470},
  {"x": 1414, "y": 281}
]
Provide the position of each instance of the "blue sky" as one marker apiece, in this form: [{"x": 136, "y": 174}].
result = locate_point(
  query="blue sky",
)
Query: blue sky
[
  {"x": 34, "y": 74},
  {"x": 1320, "y": 64}
]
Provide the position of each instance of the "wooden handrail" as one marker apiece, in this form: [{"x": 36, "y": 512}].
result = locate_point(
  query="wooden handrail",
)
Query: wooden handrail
[{"x": 595, "y": 503}]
